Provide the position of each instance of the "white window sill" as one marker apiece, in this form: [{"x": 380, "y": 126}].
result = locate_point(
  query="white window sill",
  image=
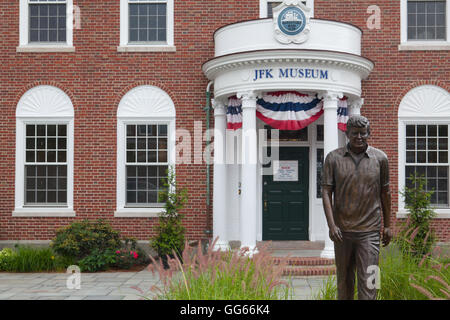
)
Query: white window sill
[
  {"x": 138, "y": 212},
  {"x": 146, "y": 48},
  {"x": 43, "y": 212},
  {"x": 45, "y": 48},
  {"x": 440, "y": 214},
  {"x": 424, "y": 45}
]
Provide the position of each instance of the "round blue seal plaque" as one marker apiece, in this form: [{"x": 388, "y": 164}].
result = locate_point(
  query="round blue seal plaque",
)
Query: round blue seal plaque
[{"x": 291, "y": 21}]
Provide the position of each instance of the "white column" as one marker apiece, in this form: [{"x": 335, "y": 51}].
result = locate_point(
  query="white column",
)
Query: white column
[
  {"x": 249, "y": 153},
  {"x": 330, "y": 143},
  {"x": 355, "y": 105},
  {"x": 220, "y": 177}
]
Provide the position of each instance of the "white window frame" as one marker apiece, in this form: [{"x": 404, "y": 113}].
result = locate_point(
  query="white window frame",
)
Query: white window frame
[
  {"x": 142, "y": 105},
  {"x": 24, "y": 43},
  {"x": 263, "y": 7},
  {"x": 410, "y": 112},
  {"x": 43, "y": 105},
  {"x": 126, "y": 46},
  {"x": 406, "y": 44}
]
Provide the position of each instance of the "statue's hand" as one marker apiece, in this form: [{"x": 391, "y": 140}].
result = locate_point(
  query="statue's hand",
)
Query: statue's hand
[
  {"x": 387, "y": 236},
  {"x": 335, "y": 234}
]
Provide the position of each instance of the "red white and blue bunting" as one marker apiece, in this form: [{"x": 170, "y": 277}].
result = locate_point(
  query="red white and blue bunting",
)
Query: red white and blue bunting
[{"x": 285, "y": 110}]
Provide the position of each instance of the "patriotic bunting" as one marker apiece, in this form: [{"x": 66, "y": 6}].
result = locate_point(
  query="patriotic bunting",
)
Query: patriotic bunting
[{"x": 285, "y": 110}]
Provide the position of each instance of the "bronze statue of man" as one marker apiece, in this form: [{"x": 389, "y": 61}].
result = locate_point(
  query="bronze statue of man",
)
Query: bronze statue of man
[{"x": 356, "y": 177}]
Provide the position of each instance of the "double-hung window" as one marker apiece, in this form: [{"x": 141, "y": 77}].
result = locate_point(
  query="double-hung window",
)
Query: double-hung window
[
  {"x": 424, "y": 24},
  {"x": 146, "y": 164},
  {"x": 423, "y": 150},
  {"x": 145, "y": 150},
  {"x": 46, "y": 165},
  {"x": 44, "y": 154},
  {"x": 46, "y": 25},
  {"x": 146, "y": 25}
]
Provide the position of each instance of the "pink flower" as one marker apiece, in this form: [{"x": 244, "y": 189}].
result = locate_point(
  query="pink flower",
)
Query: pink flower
[{"x": 118, "y": 251}]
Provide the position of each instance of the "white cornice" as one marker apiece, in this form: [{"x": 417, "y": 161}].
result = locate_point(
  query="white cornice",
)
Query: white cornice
[{"x": 354, "y": 63}]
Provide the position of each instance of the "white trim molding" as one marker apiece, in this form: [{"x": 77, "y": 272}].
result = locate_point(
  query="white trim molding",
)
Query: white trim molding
[
  {"x": 24, "y": 43},
  {"x": 426, "y": 104},
  {"x": 43, "y": 105},
  {"x": 142, "y": 105},
  {"x": 414, "y": 45},
  {"x": 126, "y": 46}
]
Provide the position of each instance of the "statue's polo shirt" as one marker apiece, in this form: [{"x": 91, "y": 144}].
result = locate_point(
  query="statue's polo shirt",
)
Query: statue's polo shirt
[{"x": 357, "y": 188}]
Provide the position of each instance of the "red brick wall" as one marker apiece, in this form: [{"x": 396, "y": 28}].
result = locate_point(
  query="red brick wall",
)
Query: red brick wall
[{"x": 96, "y": 76}]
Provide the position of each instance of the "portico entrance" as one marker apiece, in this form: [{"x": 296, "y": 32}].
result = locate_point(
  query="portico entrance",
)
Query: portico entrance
[
  {"x": 286, "y": 198},
  {"x": 254, "y": 67}
]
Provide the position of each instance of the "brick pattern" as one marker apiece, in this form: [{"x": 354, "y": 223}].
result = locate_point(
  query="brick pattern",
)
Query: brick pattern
[{"x": 96, "y": 76}]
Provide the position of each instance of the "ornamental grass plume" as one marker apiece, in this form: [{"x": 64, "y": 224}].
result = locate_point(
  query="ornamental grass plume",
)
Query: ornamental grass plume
[{"x": 221, "y": 275}]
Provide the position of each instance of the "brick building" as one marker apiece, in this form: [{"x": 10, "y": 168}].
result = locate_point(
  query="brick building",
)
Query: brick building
[{"x": 98, "y": 98}]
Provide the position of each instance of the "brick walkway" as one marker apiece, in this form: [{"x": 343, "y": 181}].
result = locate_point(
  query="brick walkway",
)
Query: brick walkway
[{"x": 106, "y": 286}]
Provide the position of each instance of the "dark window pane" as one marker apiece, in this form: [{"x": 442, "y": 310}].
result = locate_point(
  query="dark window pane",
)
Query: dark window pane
[
  {"x": 162, "y": 143},
  {"x": 131, "y": 156},
  {"x": 31, "y": 130},
  {"x": 153, "y": 196},
  {"x": 41, "y": 183},
  {"x": 62, "y": 183},
  {"x": 131, "y": 184},
  {"x": 432, "y": 131},
  {"x": 142, "y": 22},
  {"x": 61, "y": 156},
  {"x": 442, "y": 184},
  {"x": 133, "y": 9},
  {"x": 31, "y": 171},
  {"x": 410, "y": 144},
  {"x": 430, "y": 7},
  {"x": 152, "y": 142},
  {"x": 421, "y": 157},
  {"x": 443, "y": 131},
  {"x": 53, "y": 35},
  {"x": 131, "y": 143},
  {"x": 30, "y": 197},
  {"x": 51, "y": 143},
  {"x": 134, "y": 35},
  {"x": 142, "y": 171},
  {"x": 141, "y": 156},
  {"x": 40, "y": 130},
  {"x": 30, "y": 156},
  {"x": 152, "y": 171},
  {"x": 421, "y": 144},
  {"x": 443, "y": 157},
  {"x": 62, "y": 35},
  {"x": 443, "y": 144},
  {"x": 412, "y": 35},
  {"x": 43, "y": 35},
  {"x": 432, "y": 157},
  {"x": 162, "y": 171},
  {"x": 34, "y": 10},
  {"x": 442, "y": 198},
  {"x": 143, "y": 35},
  {"x": 62, "y": 196},
  {"x": 320, "y": 133},
  {"x": 40, "y": 143},
  {"x": 131, "y": 171},
  {"x": 31, "y": 183},
  {"x": 62, "y": 143},
  {"x": 141, "y": 144},
  {"x": 62, "y": 130},
  {"x": 142, "y": 196},
  {"x": 51, "y": 196},
  {"x": 62, "y": 171},
  {"x": 410, "y": 131},
  {"x": 131, "y": 197},
  {"x": 131, "y": 130},
  {"x": 51, "y": 184},
  {"x": 51, "y": 171},
  {"x": 53, "y": 10},
  {"x": 134, "y": 22},
  {"x": 161, "y": 34},
  {"x": 161, "y": 9},
  {"x": 162, "y": 130},
  {"x": 432, "y": 144},
  {"x": 442, "y": 172},
  {"x": 431, "y": 171},
  {"x": 440, "y": 20},
  {"x": 162, "y": 156},
  {"x": 152, "y": 35},
  {"x": 152, "y": 156},
  {"x": 440, "y": 33},
  {"x": 51, "y": 156},
  {"x": 40, "y": 156},
  {"x": 142, "y": 9},
  {"x": 421, "y": 131},
  {"x": 41, "y": 171},
  {"x": 141, "y": 130},
  {"x": 152, "y": 183},
  {"x": 152, "y": 130}
]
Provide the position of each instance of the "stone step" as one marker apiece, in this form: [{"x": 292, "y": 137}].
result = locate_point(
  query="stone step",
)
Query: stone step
[
  {"x": 309, "y": 270},
  {"x": 305, "y": 261}
]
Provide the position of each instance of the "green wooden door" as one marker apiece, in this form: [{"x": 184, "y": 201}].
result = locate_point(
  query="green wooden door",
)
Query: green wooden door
[{"x": 285, "y": 197}]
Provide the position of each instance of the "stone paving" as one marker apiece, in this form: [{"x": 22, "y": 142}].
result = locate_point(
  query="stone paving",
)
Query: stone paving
[{"x": 107, "y": 286}]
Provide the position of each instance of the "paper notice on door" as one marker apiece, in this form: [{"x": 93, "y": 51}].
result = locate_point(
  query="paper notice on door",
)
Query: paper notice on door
[{"x": 285, "y": 170}]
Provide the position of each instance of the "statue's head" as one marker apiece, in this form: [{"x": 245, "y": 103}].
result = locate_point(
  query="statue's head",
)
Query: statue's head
[{"x": 358, "y": 131}]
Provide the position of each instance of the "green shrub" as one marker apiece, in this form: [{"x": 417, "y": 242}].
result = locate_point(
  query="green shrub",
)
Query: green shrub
[
  {"x": 98, "y": 260},
  {"x": 170, "y": 230},
  {"x": 81, "y": 239},
  {"x": 6, "y": 256},
  {"x": 222, "y": 276},
  {"x": 28, "y": 259},
  {"x": 416, "y": 236}
]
